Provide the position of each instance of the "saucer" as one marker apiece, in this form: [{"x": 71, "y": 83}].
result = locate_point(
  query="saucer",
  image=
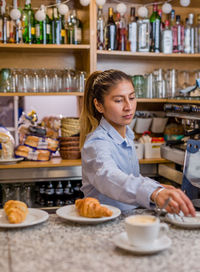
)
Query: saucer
[{"x": 162, "y": 243}]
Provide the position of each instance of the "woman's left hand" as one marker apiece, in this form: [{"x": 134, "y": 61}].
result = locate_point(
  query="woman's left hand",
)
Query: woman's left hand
[{"x": 179, "y": 201}]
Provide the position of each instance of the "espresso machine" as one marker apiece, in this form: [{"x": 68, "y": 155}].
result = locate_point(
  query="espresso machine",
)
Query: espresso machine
[{"x": 185, "y": 152}]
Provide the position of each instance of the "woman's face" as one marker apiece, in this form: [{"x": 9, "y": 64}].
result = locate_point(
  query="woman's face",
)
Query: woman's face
[{"x": 119, "y": 106}]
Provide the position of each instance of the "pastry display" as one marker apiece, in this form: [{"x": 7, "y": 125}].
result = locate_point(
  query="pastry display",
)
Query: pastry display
[
  {"x": 91, "y": 207},
  {"x": 16, "y": 211}
]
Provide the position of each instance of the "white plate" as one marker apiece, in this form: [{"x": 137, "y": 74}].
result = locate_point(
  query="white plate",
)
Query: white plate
[
  {"x": 70, "y": 213},
  {"x": 34, "y": 216},
  {"x": 11, "y": 161},
  {"x": 162, "y": 243},
  {"x": 189, "y": 222}
]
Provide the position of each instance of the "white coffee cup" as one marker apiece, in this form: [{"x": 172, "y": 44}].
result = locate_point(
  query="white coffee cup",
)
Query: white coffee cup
[{"x": 143, "y": 230}]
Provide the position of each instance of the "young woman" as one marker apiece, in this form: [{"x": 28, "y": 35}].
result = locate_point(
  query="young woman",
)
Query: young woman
[{"x": 110, "y": 168}]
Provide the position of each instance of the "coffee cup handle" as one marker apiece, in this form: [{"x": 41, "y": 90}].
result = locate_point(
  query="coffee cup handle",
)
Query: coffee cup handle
[{"x": 164, "y": 227}]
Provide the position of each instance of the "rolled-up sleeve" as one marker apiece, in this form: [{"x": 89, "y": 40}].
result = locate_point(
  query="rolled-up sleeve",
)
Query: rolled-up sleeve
[{"x": 106, "y": 176}]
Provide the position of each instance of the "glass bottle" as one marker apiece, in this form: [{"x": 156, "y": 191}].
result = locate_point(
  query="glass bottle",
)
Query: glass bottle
[
  {"x": 28, "y": 23},
  {"x": 167, "y": 43},
  {"x": 189, "y": 35},
  {"x": 42, "y": 194},
  {"x": 59, "y": 194},
  {"x": 6, "y": 26},
  {"x": 18, "y": 31},
  {"x": 178, "y": 36},
  {"x": 111, "y": 31},
  {"x": 197, "y": 35},
  {"x": 12, "y": 26},
  {"x": 74, "y": 30},
  {"x": 162, "y": 24},
  {"x": 39, "y": 32},
  {"x": 143, "y": 35},
  {"x": 155, "y": 30},
  {"x": 132, "y": 31},
  {"x": 68, "y": 193},
  {"x": 50, "y": 195},
  {"x": 172, "y": 18},
  {"x": 121, "y": 32},
  {"x": 100, "y": 29},
  {"x": 2, "y": 10}
]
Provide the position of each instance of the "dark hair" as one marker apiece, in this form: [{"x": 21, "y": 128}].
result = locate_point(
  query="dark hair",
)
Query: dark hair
[{"x": 97, "y": 86}]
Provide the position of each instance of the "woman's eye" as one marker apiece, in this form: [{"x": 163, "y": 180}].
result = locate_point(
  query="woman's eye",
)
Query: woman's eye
[
  {"x": 132, "y": 98},
  {"x": 118, "y": 101}
]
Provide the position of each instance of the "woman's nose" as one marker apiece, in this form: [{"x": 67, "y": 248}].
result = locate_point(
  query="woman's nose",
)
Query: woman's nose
[{"x": 127, "y": 105}]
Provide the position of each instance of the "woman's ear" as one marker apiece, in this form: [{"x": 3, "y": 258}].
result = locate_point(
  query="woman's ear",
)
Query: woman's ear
[{"x": 98, "y": 106}]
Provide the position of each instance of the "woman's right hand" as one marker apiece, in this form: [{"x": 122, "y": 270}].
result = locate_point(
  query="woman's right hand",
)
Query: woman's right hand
[{"x": 179, "y": 201}]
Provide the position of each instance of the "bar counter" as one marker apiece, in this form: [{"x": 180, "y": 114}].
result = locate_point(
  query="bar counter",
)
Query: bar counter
[{"x": 58, "y": 245}]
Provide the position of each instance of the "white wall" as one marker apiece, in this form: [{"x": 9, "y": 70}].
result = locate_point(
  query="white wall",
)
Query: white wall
[{"x": 51, "y": 105}]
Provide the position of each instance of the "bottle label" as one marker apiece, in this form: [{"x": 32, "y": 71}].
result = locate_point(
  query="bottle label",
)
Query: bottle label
[
  {"x": 63, "y": 32},
  {"x": 112, "y": 37},
  {"x": 132, "y": 36},
  {"x": 187, "y": 41},
  {"x": 167, "y": 42},
  {"x": 157, "y": 35},
  {"x": 48, "y": 29},
  {"x": 142, "y": 36},
  {"x": 33, "y": 30},
  {"x": 37, "y": 28}
]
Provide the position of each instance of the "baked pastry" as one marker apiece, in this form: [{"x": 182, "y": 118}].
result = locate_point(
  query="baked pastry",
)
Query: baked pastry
[
  {"x": 91, "y": 207},
  {"x": 16, "y": 211},
  {"x": 42, "y": 143},
  {"x": 7, "y": 146}
]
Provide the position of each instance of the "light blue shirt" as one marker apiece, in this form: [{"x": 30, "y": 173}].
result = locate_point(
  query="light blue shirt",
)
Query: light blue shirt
[{"x": 110, "y": 169}]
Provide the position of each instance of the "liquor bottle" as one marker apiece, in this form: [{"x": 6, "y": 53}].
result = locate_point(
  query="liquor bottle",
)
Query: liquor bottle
[
  {"x": 100, "y": 29},
  {"x": 132, "y": 31},
  {"x": 111, "y": 31},
  {"x": 59, "y": 194},
  {"x": 155, "y": 30},
  {"x": 39, "y": 32},
  {"x": 18, "y": 31},
  {"x": 191, "y": 22},
  {"x": 28, "y": 23},
  {"x": 172, "y": 18},
  {"x": 42, "y": 195},
  {"x": 77, "y": 190},
  {"x": 74, "y": 29},
  {"x": 167, "y": 42},
  {"x": 49, "y": 195},
  {"x": 197, "y": 35},
  {"x": 12, "y": 26},
  {"x": 2, "y": 10},
  {"x": 68, "y": 193},
  {"x": 162, "y": 24},
  {"x": 178, "y": 36},
  {"x": 143, "y": 35},
  {"x": 48, "y": 30},
  {"x": 121, "y": 32},
  {"x": 6, "y": 26}
]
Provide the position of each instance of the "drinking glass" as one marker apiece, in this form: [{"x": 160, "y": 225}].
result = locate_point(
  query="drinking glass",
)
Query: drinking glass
[
  {"x": 171, "y": 78},
  {"x": 138, "y": 81},
  {"x": 81, "y": 81}
]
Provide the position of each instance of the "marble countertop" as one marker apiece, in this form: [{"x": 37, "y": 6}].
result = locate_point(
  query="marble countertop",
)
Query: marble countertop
[{"x": 63, "y": 246}]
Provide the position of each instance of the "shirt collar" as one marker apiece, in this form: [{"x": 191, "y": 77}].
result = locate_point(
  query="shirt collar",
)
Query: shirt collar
[{"x": 114, "y": 133}]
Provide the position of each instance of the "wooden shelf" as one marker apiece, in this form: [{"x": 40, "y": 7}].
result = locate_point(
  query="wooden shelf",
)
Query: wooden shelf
[
  {"x": 166, "y": 100},
  {"x": 144, "y": 55},
  {"x": 43, "y": 94},
  {"x": 46, "y": 47},
  {"x": 58, "y": 162},
  {"x": 153, "y": 161}
]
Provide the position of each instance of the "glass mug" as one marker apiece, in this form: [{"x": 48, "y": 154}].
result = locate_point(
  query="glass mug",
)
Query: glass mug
[{"x": 139, "y": 86}]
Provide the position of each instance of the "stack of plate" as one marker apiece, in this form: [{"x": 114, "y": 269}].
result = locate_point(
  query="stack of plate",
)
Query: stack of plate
[
  {"x": 70, "y": 126},
  {"x": 69, "y": 148}
]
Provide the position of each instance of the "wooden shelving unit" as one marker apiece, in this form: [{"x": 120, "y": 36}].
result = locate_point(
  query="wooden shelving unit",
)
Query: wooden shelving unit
[{"x": 43, "y": 94}]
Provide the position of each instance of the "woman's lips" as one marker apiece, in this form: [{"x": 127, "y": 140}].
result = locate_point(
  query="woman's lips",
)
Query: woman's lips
[{"x": 129, "y": 116}]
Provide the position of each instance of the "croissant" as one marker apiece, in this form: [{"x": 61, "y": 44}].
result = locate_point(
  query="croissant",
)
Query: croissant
[
  {"x": 16, "y": 211},
  {"x": 90, "y": 207}
]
